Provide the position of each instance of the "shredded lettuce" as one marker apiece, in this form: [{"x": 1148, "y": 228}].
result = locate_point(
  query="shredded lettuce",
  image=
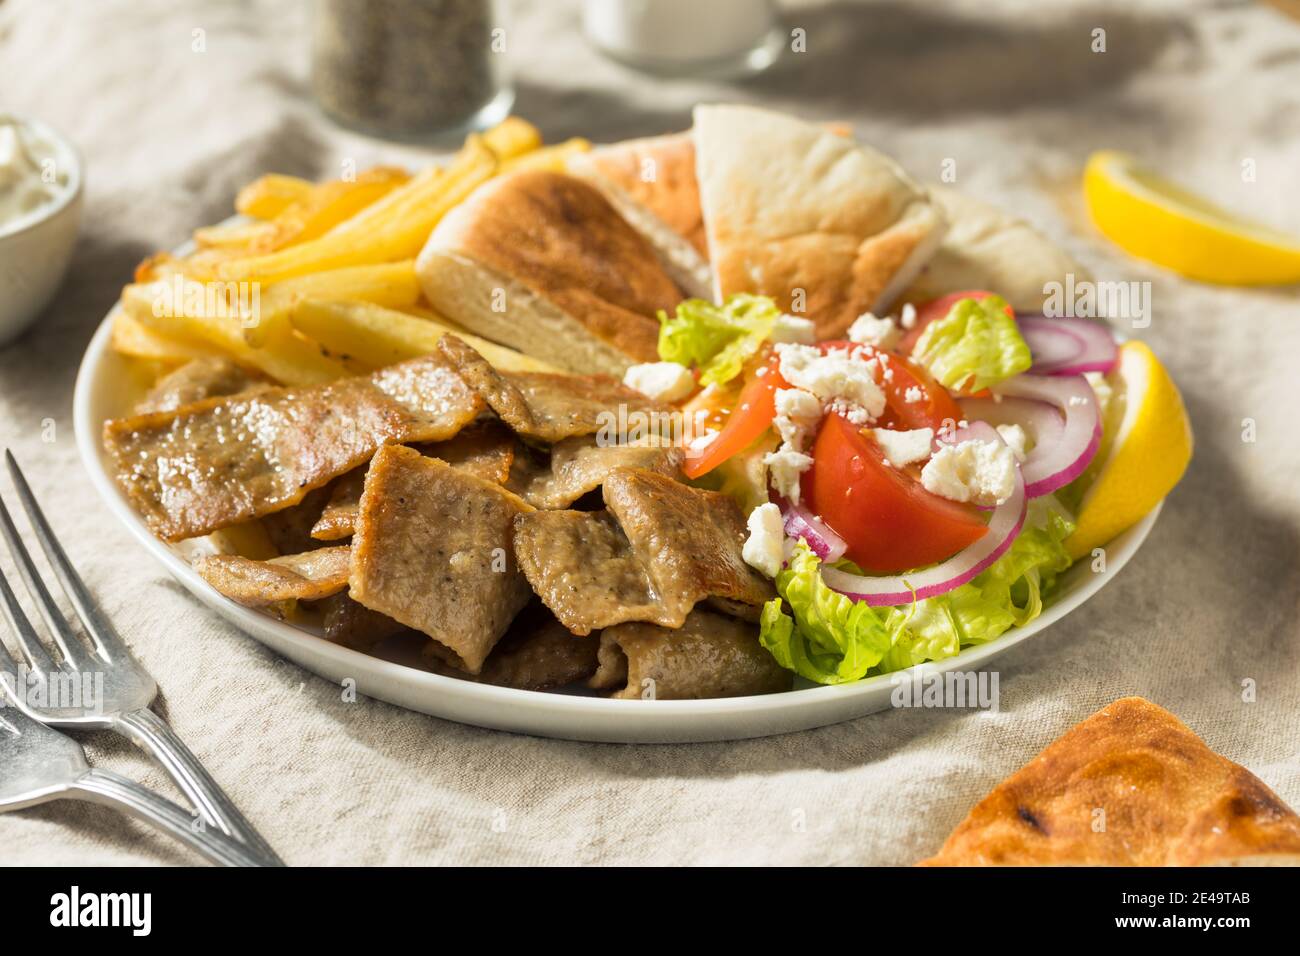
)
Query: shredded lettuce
[
  {"x": 719, "y": 339},
  {"x": 832, "y": 640},
  {"x": 977, "y": 344}
]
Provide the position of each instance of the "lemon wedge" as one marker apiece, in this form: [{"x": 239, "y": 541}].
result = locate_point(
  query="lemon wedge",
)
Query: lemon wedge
[
  {"x": 1154, "y": 219},
  {"x": 1146, "y": 447}
]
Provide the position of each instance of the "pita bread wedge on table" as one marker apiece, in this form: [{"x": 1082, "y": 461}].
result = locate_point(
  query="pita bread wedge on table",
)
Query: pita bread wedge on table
[
  {"x": 651, "y": 182},
  {"x": 791, "y": 206},
  {"x": 1168, "y": 799},
  {"x": 986, "y": 248}
]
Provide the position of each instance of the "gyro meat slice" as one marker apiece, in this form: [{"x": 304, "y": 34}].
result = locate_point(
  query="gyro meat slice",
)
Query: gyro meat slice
[
  {"x": 485, "y": 448},
  {"x": 537, "y": 653},
  {"x": 353, "y": 625},
  {"x": 199, "y": 379},
  {"x": 302, "y": 577},
  {"x": 688, "y": 540},
  {"x": 580, "y": 464},
  {"x": 660, "y": 549},
  {"x": 583, "y": 568},
  {"x": 222, "y": 461},
  {"x": 433, "y": 550},
  {"x": 708, "y": 656},
  {"x": 550, "y": 407}
]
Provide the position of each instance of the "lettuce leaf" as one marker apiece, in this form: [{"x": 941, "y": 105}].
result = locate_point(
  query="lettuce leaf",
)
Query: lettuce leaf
[
  {"x": 977, "y": 344},
  {"x": 719, "y": 339},
  {"x": 832, "y": 639}
]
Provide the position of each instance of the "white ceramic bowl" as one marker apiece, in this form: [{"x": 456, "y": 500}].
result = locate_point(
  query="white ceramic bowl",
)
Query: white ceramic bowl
[
  {"x": 106, "y": 390},
  {"x": 34, "y": 253}
]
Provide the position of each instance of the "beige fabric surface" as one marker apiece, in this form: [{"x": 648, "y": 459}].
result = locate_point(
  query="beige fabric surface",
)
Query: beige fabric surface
[{"x": 1012, "y": 92}]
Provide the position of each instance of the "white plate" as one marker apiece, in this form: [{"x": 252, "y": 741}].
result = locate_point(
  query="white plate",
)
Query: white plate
[{"x": 105, "y": 390}]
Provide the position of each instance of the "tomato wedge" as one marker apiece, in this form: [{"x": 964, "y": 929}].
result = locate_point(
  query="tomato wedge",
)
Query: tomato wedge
[
  {"x": 756, "y": 406},
  {"x": 890, "y": 522},
  {"x": 754, "y": 411},
  {"x": 937, "y": 309}
]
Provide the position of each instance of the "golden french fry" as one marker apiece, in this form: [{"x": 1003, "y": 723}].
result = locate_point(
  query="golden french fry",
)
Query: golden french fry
[
  {"x": 204, "y": 317},
  {"x": 131, "y": 338},
  {"x": 552, "y": 158},
  {"x": 512, "y": 137},
  {"x": 395, "y": 227},
  {"x": 392, "y": 284},
  {"x": 243, "y": 236},
  {"x": 267, "y": 196},
  {"x": 375, "y": 336}
]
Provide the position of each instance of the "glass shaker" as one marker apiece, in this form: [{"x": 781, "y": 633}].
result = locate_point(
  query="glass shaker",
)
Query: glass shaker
[{"x": 412, "y": 69}]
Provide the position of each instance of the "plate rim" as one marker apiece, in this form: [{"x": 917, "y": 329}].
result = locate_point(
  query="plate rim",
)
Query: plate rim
[{"x": 666, "y": 715}]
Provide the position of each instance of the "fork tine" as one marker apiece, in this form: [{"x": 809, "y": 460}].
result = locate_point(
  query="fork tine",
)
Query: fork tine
[
  {"x": 37, "y": 657},
  {"x": 69, "y": 645},
  {"x": 107, "y": 641}
]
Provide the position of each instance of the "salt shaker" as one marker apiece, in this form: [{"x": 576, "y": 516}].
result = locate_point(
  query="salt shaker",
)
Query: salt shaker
[{"x": 687, "y": 37}]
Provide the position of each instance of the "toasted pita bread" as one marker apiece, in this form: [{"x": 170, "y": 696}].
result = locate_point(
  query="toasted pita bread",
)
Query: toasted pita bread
[
  {"x": 651, "y": 182},
  {"x": 986, "y": 248},
  {"x": 541, "y": 261},
  {"x": 792, "y": 206},
  {"x": 1167, "y": 799}
]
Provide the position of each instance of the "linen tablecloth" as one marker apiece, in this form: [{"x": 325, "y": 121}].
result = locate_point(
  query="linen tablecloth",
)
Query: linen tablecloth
[{"x": 1015, "y": 95}]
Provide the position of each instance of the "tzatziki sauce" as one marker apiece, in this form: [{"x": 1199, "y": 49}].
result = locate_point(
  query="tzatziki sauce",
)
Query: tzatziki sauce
[{"x": 34, "y": 172}]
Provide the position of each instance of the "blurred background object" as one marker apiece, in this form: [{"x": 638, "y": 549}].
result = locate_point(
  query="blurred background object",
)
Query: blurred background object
[
  {"x": 411, "y": 69},
  {"x": 717, "y": 38}
]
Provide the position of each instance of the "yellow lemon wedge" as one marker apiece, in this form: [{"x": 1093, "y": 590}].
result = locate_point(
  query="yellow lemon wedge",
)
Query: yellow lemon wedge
[
  {"x": 1154, "y": 219},
  {"x": 1146, "y": 445}
]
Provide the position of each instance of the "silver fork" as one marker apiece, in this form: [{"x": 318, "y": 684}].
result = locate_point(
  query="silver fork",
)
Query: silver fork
[
  {"x": 123, "y": 688},
  {"x": 38, "y": 765}
]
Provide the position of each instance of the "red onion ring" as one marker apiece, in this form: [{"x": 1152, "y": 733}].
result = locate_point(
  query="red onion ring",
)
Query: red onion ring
[
  {"x": 1004, "y": 525},
  {"x": 1068, "y": 346},
  {"x": 1052, "y": 465},
  {"x": 800, "y": 523}
]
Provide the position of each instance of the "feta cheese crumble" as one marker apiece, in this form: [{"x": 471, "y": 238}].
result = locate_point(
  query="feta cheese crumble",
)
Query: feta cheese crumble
[
  {"x": 1015, "y": 438},
  {"x": 662, "y": 381},
  {"x": 784, "y": 466},
  {"x": 797, "y": 415},
  {"x": 791, "y": 328},
  {"x": 907, "y": 319},
  {"x": 982, "y": 472},
  {"x": 913, "y": 394},
  {"x": 763, "y": 548},
  {"x": 903, "y": 448},
  {"x": 868, "y": 329},
  {"x": 835, "y": 375}
]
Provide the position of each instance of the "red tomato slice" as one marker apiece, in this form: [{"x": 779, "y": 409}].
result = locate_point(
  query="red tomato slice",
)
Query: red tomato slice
[
  {"x": 756, "y": 406},
  {"x": 889, "y": 520},
  {"x": 754, "y": 411},
  {"x": 937, "y": 309}
]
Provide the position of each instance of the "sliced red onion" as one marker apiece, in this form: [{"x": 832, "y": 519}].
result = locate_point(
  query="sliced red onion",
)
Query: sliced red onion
[
  {"x": 800, "y": 523},
  {"x": 1068, "y": 346},
  {"x": 1053, "y": 463},
  {"x": 1004, "y": 525}
]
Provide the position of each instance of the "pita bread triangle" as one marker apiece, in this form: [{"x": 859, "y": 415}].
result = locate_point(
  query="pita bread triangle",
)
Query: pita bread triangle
[
  {"x": 1130, "y": 786},
  {"x": 811, "y": 218}
]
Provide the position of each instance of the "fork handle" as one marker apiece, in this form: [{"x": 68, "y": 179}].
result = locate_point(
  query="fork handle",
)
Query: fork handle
[
  {"x": 114, "y": 790},
  {"x": 152, "y": 734}
]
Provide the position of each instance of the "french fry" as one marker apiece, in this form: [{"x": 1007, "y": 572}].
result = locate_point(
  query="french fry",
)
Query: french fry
[
  {"x": 131, "y": 338},
  {"x": 395, "y": 227},
  {"x": 392, "y": 284},
  {"x": 375, "y": 336},
  {"x": 323, "y": 208},
  {"x": 551, "y": 158},
  {"x": 267, "y": 196},
  {"x": 512, "y": 137},
  {"x": 286, "y": 357}
]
